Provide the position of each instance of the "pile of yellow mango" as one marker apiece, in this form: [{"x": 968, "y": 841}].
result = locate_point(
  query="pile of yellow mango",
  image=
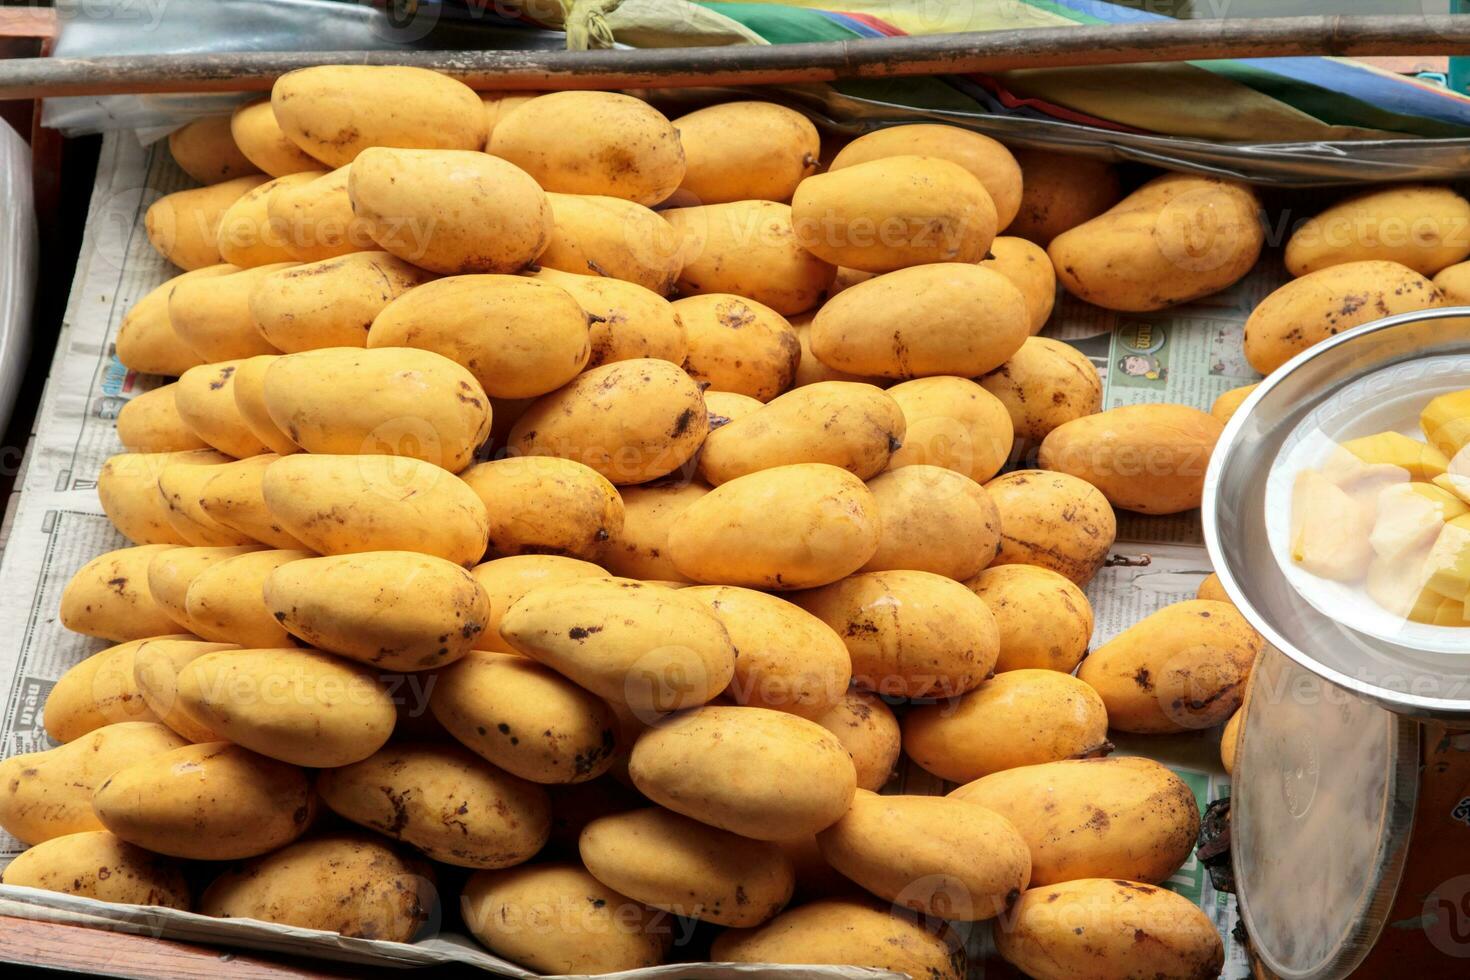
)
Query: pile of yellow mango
[{"x": 574, "y": 516}]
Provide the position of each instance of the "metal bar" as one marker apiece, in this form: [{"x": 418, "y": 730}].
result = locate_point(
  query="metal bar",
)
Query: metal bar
[{"x": 987, "y": 51}]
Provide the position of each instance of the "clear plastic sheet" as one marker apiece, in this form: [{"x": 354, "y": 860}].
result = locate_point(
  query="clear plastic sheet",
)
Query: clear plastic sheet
[
  {"x": 129, "y": 27},
  {"x": 93, "y": 28},
  {"x": 1319, "y": 164},
  {"x": 17, "y": 264}
]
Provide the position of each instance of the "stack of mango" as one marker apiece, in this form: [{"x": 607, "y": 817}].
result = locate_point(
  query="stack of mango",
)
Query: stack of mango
[{"x": 555, "y": 501}]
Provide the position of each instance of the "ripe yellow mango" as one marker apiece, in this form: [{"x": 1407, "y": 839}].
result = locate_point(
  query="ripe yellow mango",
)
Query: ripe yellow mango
[
  {"x": 1424, "y": 227},
  {"x": 1325, "y": 303},
  {"x": 894, "y": 212},
  {"x": 648, "y": 647},
  {"x": 1176, "y": 238},
  {"x": 746, "y": 151},
  {"x": 1119, "y": 817},
  {"x": 593, "y": 143},
  {"x": 1396, "y": 449},
  {"x": 947, "y": 318},
  {"x": 205, "y": 150},
  {"x": 334, "y": 112},
  {"x": 1182, "y": 668},
  {"x": 1445, "y": 421},
  {"x": 1131, "y": 930}
]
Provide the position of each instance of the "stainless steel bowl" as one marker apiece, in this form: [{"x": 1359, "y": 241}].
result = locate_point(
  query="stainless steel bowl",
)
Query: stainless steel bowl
[{"x": 1406, "y": 353}]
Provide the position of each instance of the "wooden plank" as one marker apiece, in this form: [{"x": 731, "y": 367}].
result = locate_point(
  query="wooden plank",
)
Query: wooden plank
[
  {"x": 91, "y": 951},
  {"x": 38, "y": 22},
  {"x": 989, "y": 51}
]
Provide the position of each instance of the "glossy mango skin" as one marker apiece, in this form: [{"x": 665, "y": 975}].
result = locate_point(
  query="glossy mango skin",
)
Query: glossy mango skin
[
  {"x": 762, "y": 774},
  {"x": 248, "y": 387},
  {"x": 1182, "y": 668},
  {"x": 335, "y": 713},
  {"x": 212, "y": 314},
  {"x": 205, "y": 399},
  {"x": 1324, "y": 303},
  {"x": 507, "y": 579},
  {"x": 1053, "y": 520},
  {"x": 593, "y": 143},
  {"x": 128, "y": 491},
  {"x": 632, "y": 421},
  {"x": 582, "y": 925},
  {"x": 957, "y": 547},
  {"x": 627, "y": 320},
  {"x": 987, "y": 159},
  {"x": 677, "y": 864},
  {"x": 354, "y": 884},
  {"x": 851, "y": 931},
  {"x": 546, "y": 506},
  {"x": 1145, "y": 458},
  {"x": 183, "y": 226},
  {"x": 1029, "y": 269},
  {"x": 393, "y": 610},
  {"x": 211, "y": 802},
  {"x": 1045, "y": 384},
  {"x": 1119, "y": 817},
  {"x": 937, "y": 855},
  {"x": 316, "y": 219},
  {"x": 171, "y": 572},
  {"x": 156, "y": 666},
  {"x": 954, "y": 423},
  {"x": 843, "y": 423},
  {"x": 894, "y": 212},
  {"x": 150, "y": 423},
  {"x": 1017, "y": 718},
  {"x": 1060, "y": 191},
  {"x": 406, "y": 790},
  {"x": 788, "y": 659},
  {"x": 910, "y": 633},
  {"x": 334, "y": 112},
  {"x": 1131, "y": 929},
  {"x": 1418, "y": 225},
  {"x": 340, "y": 505},
  {"x": 245, "y": 236},
  {"x": 501, "y": 705},
  {"x": 1044, "y": 618},
  {"x": 232, "y": 495},
  {"x": 394, "y": 401},
  {"x": 751, "y": 249},
  {"x": 97, "y": 691},
  {"x": 109, "y": 598},
  {"x": 640, "y": 548},
  {"x": 259, "y": 137},
  {"x": 331, "y": 302},
  {"x": 453, "y": 212},
  {"x": 944, "y": 318},
  {"x": 645, "y": 646},
  {"x": 788, "y": 527},
  {"x": 49, "y": 794},
  {"x": 519, "y": 337},
  {"x": 96, "y": 864},
  {"x": 205, "y": 150},
  {"x": 146, "y": 340},
  {"x": 182, "y": 485},
  {"x": 738, "y": 345},
  {"x": 868, "y": 730},
  {"x": 614, "y": 238},
  {"x": 1176, "y": 238},
  {"x": 745, "y": 151}
]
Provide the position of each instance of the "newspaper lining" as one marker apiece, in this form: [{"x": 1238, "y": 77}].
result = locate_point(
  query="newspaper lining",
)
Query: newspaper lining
[{"x": 55, "y": 525}]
